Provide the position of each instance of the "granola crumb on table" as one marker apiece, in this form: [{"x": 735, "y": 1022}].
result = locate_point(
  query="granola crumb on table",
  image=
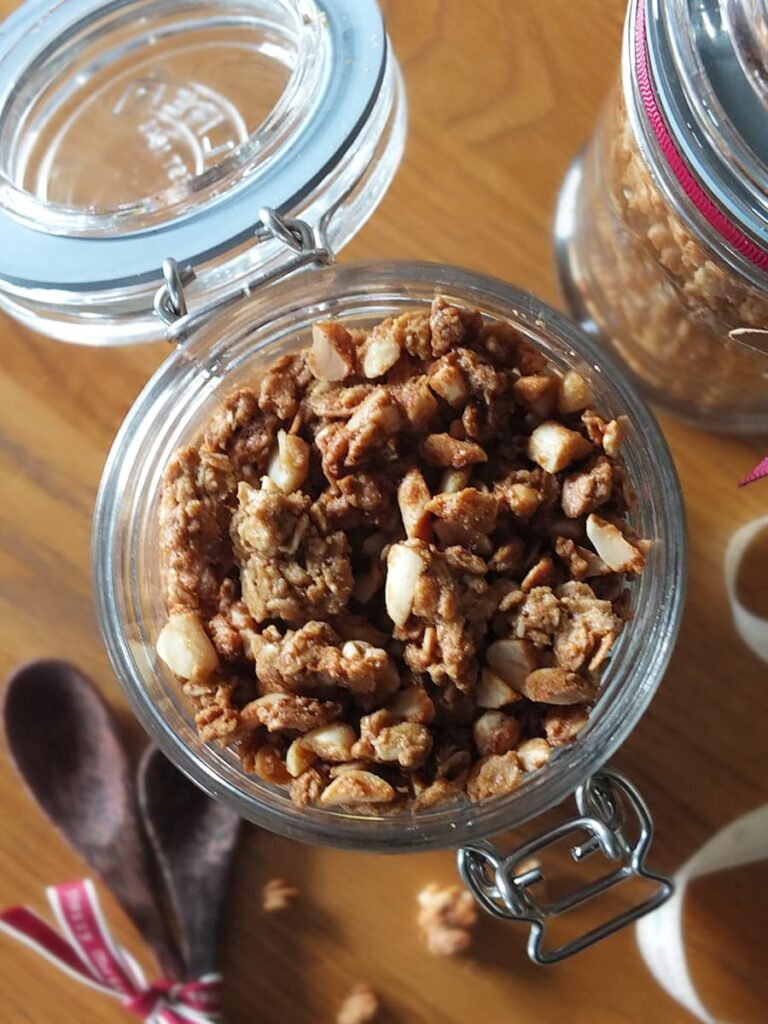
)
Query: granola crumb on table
[
  {"x": 394, "y": 567},
  {"x": 446, "y": 917},
  {"x": 277, "y": 895},
  {"x": 360, "y": 1006}
]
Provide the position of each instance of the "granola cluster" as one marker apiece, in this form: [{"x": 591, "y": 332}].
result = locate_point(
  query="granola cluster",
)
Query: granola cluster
[
  {"x": 394, "y": 568},
  {"x": 676, "y": 312}
]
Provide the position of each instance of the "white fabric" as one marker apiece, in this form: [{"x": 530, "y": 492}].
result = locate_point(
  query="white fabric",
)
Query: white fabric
[{"x": 744, "y": 841}]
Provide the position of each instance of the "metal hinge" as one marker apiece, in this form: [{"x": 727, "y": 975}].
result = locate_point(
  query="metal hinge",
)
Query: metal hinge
[
  {"x": 309, "y": 246},
  {"x": 503, "y": 889}
]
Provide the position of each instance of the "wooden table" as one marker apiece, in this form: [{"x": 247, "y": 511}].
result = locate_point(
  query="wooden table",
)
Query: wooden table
[{"x": 500, "y": 97}]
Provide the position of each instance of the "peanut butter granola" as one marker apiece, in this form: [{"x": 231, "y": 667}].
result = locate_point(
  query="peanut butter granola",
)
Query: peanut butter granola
[{"x": 395, "y": 566}]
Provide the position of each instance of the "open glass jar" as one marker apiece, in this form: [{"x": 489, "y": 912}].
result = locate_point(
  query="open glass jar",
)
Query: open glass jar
[
  {"x": 248, "y": 293},
  {"x": 662, "y": 222}
]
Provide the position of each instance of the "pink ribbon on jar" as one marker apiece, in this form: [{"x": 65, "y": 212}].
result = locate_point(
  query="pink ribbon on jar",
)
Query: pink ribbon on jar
[
  {"x": 87, "y": 951},
  {"x": 713, "y": 214}
]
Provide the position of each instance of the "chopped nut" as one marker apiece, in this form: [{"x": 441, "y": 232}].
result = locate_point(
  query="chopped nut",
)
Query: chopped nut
[
  {"x": 556, "y": 686},
  {"x": 404, "y": 567},
  {"x": 512, "y": 661},
  {"x": 289, "y": 465},
  {"x": 185, "y": 648},
  {"x": 413, "y": 705},
  {"x": 413, "y": 497},
  {"x": 454, "y": 480},
  {"x": 533, "y": 754},
  {"x": 277, "y": 895},
  {"x": 554, "y": 446},
  {"x": 332, "y": 356},
  {"x": 492, "y": 776},
  {"x": 380, "y": 353},
  {"x": 614, "y": 435},
  {"x": 268, "y": 765},
  {"x": 447, "y": 381},
  {"x": 575, "y": 393},
  {"x": 492, "y": 692},
  {"x": 360, "y": 1007},
  {"x": 446, "y": 917},
  {"x": 611, "y": 545},
  {"x": 299, "y": 758},
  {"x": 537, "y": 393},
  {"x": 495, "y": 733},
  {"x": 329, "y": 742},
  {"x": 563, "y": 724},
  {"x": 356, "y": 787},
  {"x": 444, "y": 450},
  {"x": 470, "y": 508}
]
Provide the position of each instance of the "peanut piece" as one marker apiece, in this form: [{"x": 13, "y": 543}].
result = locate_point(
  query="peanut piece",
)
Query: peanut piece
[
  {"x": 185, "y": 648},
  {"x": 404, "y": 567},
  {"x": 289, "y": 465},
  {"x": 356, "y": 787},
  {"x": 332, "y": 356},
  {"x": 575, "y": 394},
  {"x": 611, "y": 545},
  {"x": 533, "y": 754},
  {"x": 556, "y": 686},
  {"x": 554, "y": 446}
]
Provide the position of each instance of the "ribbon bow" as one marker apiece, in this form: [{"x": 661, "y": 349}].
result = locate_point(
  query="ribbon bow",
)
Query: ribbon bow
[{"x": 86, "y": 950}]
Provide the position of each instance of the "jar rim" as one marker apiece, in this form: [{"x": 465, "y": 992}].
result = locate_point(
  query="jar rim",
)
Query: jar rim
[{"x": 632, "y": 678}]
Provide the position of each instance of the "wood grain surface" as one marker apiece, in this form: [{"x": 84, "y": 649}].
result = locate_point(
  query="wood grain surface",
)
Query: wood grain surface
[{"x": 501, "y": 94}]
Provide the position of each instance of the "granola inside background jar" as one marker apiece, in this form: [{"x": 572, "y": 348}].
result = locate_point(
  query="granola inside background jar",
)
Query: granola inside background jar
[{"x": 662, "y": 222}]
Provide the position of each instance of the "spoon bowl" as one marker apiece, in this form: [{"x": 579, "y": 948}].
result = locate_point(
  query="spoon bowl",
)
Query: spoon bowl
[
  {"x": 194, "y": 839},
  {"x": 64, "y": 743}
]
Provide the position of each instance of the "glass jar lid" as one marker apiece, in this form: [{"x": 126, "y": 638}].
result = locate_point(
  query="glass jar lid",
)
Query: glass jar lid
[{"x": 135, "y": 130}]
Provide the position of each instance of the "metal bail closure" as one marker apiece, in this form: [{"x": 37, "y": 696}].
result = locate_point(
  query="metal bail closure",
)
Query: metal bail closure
[
  {"x": 495, "y": 883},
  {"x": 308, "y": 245}
]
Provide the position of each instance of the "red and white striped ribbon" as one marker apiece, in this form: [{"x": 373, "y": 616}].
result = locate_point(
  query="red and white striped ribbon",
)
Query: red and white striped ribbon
[{"x": 86, "y": 951}]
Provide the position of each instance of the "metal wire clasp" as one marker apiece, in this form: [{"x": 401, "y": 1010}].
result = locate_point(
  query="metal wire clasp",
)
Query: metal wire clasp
[
  {"x": 307, "y": 245},
  {"x": 495, "y": 883}
]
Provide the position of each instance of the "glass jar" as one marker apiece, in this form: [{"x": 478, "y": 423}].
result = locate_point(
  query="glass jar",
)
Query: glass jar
[
  {"x": 230, "y": 350},
  {"x": 209, "y": 203},
  {"x": 662, "y": 222}
]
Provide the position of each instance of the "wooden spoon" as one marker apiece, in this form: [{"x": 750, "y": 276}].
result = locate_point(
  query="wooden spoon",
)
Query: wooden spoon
[
  {"x": 64, "y": 743},
  {"x": 194, "y": 839}
]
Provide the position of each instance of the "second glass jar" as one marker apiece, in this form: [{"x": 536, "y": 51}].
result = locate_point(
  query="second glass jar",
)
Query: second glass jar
[{"x": 660, "y": 252}]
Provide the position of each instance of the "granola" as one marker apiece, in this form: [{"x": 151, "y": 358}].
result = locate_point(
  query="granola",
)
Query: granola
[
  {"x": 395, "y": 566},
  {"x": 446, "y": 917}
]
